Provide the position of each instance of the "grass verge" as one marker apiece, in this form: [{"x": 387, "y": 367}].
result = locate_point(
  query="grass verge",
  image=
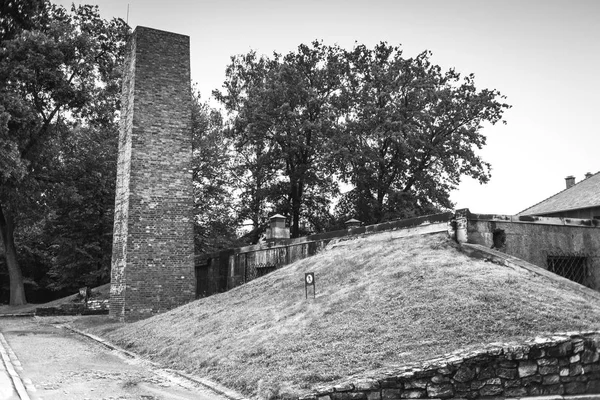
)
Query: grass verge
[{"x": 380, "y": 303}]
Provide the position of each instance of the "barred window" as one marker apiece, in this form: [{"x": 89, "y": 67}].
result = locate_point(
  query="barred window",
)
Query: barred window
[
  {"x": 571, "y": 266},
  {"x": 254, "y": 271}
]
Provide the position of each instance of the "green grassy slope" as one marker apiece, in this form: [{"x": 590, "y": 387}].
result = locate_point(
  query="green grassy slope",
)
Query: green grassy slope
[{"x": 380, "y": 303}]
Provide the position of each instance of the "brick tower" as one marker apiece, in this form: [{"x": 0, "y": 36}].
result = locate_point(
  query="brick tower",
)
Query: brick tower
[{"x": 153, "y": 242}]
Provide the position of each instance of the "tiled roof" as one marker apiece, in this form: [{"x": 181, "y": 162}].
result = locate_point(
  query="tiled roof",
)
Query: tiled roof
[{"x": 584, "y": 194}]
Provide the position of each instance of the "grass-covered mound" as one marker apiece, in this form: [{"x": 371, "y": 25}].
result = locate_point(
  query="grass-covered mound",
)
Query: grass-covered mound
[{"x": 380, "y": 303}]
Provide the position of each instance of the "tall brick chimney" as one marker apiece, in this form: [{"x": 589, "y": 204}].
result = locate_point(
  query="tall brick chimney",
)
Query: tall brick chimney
[
  {"x": 570, "y": 180},
  {"x": 153, "y": 241}
]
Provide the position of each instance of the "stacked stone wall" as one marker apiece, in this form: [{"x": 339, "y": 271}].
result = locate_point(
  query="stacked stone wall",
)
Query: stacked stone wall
[
  {"x": 557, "y": 365},
  {"x": 91, "y": 307},
  {"x": 153, "y": 250}
]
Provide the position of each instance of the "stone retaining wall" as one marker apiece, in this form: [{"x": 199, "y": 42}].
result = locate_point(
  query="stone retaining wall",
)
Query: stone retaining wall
[
  {"x": 564, "y": 364},
  {"x": 91, "y": 307}
]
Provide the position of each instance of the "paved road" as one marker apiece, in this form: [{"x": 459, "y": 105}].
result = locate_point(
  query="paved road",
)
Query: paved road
[
  {"x": 54, "y": 363},
  {"x": 7, "y": 390}
]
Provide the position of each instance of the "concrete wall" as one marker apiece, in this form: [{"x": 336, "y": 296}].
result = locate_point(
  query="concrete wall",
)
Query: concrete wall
[
  {"x": 279, "y": 252},
  {"x": 152, "y": 264},
  {"x": 558, "y": 365},
  {"x": 534, "y": 238},
  {"x": 212, "y": 273}
]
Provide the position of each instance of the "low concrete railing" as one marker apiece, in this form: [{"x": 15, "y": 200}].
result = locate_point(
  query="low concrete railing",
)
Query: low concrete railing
[{"x": 218, "y": 272}]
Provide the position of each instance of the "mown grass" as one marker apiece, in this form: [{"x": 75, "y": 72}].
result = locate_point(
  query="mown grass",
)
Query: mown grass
[{"x": 380, "y": 303}]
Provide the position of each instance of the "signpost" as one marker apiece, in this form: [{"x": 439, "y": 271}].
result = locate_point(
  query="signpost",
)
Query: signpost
[{"x": 309, "y": 280}]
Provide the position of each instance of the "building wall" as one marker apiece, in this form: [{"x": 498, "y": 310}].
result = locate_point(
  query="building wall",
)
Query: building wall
[
  {"x": 534, "y": 238},
  {"x": 212, "y": 273},
  {"x": 153, "y": 249}
]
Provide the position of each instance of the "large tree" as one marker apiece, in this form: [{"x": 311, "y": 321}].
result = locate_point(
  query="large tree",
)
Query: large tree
[
  {"x": 285, "y": 112},
  {"x": 400, "y": 131},
  {"x": 77, "y": 231},
  {"x": 411, "y": 133},
  {"x": 255, "y": 162},
  {"x": 216, "y": 207},
  {"x": 59, "y": 70}
]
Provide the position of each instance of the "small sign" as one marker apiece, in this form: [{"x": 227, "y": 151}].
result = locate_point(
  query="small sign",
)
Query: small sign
[{"x": 309, "y": 280}]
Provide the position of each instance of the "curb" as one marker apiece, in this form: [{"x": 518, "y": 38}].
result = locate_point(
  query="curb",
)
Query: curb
[
  {"x": 21, "y": 315},
  {"x": 206, "y": 383},
  {"x": 559, "y": 397},
  {"x": 10, "y": 368},
  {"x": 215, "y": 387}
]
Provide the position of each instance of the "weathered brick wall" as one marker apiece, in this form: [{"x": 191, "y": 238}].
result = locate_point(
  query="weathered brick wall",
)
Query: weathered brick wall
[
  {"x": 565, "y": 364},
  {"x": 153, "y": 250}
]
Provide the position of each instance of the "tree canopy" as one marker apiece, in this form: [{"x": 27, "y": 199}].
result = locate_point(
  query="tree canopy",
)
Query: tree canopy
[
  {"x": 400, "y": 132},
  {"x": 284, "y": 114},
  {"x": 61, "y": 76},
  {"x": 410, "y": 134},
  {"x": 395, "y": 134},
  {"x": 216, "y": 208}
]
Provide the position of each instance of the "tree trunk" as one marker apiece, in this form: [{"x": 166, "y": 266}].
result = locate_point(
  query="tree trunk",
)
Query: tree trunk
[
  {"x": 378, "y": 212},
  {"x": 296, "y": 206},
  {"x": 7, "y": 229}
]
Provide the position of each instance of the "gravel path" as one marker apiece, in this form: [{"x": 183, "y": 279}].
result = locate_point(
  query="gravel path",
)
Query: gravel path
[{"x": 54, "y": 363}]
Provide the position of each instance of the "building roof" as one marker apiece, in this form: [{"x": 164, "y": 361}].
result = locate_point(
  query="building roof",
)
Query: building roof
[{"x": 584, "y": 194}]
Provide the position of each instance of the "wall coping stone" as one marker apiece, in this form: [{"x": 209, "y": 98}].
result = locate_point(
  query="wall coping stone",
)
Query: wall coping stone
[
  {"x": 345, "y": 234},
  {"x": 407, "y": 224},
  {"x": 528, "y": 219},
  {"x": 369, "y": 229}
]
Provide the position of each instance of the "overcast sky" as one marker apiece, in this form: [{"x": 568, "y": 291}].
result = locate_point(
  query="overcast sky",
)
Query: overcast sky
[{"x": 543, "y": 55}]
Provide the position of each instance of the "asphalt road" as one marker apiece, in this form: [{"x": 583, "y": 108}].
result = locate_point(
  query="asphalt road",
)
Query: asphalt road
[{"x": 54, "y": 363}]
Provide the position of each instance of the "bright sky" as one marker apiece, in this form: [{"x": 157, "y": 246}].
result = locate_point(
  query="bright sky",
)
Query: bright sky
[{"x": 544, "y": 55}]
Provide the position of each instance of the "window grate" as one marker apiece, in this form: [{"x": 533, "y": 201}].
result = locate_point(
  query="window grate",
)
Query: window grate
[
  {"x": 254, "y": 271},
  {"x": 573, "y": 266}
]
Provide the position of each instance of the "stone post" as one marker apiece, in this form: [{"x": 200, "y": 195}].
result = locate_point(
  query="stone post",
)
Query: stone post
[
  {"x": 461, "y": 225},
  {"x": 352, "y": 223},
  {"x": 277, "y": 229}
]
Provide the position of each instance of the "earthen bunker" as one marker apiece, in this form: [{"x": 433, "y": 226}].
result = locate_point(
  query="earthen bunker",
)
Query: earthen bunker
[{"x": 153, "y": 267}]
